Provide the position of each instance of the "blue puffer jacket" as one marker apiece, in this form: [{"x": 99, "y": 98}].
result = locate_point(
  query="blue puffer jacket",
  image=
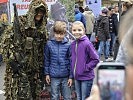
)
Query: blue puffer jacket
[
  {"x": 80, "y": 17},
  {"x": 57, "y": 59}
]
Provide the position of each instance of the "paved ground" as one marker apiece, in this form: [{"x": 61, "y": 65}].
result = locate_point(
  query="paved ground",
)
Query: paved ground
[{"x": 2, "y": 72}]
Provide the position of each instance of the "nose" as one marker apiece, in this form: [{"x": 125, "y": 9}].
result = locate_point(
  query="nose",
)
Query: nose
[
  {"x": 59, "y": 35},
  {"x": 76, "y": 32}
]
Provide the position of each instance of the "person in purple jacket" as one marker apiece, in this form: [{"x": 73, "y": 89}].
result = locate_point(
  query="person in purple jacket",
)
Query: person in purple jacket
[{"x": 84, "y": 60}]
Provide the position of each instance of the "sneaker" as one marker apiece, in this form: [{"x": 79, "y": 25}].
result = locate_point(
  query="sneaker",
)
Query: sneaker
[
  {"x": 109, "y": 59},
  {"x": 101, "y": 61}
]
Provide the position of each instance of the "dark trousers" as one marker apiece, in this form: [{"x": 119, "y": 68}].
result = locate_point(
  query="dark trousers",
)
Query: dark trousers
[{"x": 112, "y": 42}]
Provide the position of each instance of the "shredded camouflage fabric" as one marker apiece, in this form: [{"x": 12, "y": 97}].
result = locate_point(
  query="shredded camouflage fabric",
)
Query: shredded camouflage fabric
[
  {"x": 69, "y": 5},
  {"x": 23, "y": 54}
]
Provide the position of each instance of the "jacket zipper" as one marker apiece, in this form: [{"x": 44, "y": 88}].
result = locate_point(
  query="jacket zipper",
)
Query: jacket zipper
[
  {"x": 75, "y": 65},
  {"x": 58, "y": 56}
]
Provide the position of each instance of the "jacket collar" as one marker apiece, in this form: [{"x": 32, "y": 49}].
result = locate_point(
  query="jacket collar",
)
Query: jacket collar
[
  {"x": 84, "y": 37},
  {"x": 65, "y": 40}
]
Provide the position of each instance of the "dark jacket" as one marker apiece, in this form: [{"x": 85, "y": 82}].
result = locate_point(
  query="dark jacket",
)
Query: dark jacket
[
  {"x": 113, "y": 24},
  {"x": 117, "y": 44},
  {"x": 80, "y": 17},
  {"x": 103, "y": 28},
  {"x": 57, "y": 59},
  {"x": 84, "y": 59}
]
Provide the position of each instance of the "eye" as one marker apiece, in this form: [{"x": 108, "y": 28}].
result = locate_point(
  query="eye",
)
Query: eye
[
  {"x": 79, "y": 30},
  {"x": 74, "y": 30}
]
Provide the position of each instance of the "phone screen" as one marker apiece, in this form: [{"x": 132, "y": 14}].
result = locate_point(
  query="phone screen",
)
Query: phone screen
[{"x": 111, "y": 82}]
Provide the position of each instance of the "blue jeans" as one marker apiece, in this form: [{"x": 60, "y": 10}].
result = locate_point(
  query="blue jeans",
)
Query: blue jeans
[
  {"x": 112, "y": 42},
  {"x": 104, "y": 47},
  {"x": 58, "y": 84},
  {"x": 83, "y": 88}
]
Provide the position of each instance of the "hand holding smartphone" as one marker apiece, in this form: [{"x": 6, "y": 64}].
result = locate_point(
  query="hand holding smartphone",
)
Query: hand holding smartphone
[{"x": 111, "y": 80}]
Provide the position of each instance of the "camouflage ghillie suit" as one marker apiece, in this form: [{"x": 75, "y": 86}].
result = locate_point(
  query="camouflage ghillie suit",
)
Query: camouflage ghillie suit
[
  {"x": 23, "y": 54},
  {"x": 3, "y": 26},
  {"x": 69, "y": 5}
]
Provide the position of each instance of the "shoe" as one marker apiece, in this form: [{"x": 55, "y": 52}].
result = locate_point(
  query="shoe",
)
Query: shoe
[
  {"x": 109, "y": 59},
  {"x": 101, "y": 61}
]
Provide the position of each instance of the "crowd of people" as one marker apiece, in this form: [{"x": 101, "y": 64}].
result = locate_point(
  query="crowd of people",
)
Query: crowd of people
[
  {"x": 125, "y": 55},
  {"x": 105, "y": 28},
  {"x": 32, "y": 58}
]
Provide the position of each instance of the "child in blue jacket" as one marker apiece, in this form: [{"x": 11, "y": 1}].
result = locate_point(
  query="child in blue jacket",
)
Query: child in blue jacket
[{"x": 57, "y": 63}]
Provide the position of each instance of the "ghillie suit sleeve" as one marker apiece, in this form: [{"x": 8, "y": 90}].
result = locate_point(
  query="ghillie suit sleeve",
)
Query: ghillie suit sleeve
[
  {"x": 3, "y": 27},
  {"x": 22, "y": 48}
]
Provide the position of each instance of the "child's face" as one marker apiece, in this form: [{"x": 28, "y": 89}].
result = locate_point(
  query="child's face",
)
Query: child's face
[
  {"x": 59, "y": 37},
  {"x": 77, "y": 31}
]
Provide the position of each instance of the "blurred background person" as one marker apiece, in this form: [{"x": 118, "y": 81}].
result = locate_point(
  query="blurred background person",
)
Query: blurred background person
[
  {"x": 79, "y": 15},
  {"x": 103, "y": 34},
  {"x": 90, "y": 20},
  {"x": 116, "y": 11},
  {"x": 125, "y": 8},
  {"x": 81, "y": 9},
  {"x": 113, "y": 25}
]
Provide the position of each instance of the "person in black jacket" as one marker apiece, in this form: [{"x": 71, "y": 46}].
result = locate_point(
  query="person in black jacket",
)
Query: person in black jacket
[
  {"x": 103, "y": 34},
  {"x": 126, "y": 6},
  {"x": 113, "y": 24}
]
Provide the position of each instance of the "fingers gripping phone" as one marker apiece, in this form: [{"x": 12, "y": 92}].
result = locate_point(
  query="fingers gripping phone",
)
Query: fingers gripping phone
[{"x": 111, "y": 80}]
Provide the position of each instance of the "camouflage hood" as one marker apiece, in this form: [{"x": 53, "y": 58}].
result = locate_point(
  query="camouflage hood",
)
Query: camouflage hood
[{"x": 32, "y": 12}]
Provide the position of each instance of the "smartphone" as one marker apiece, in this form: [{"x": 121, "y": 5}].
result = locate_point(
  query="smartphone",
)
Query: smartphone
[{"x": 111, "y": 80}]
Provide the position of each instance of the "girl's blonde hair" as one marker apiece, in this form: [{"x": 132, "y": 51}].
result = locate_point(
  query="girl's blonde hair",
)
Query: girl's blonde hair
[
  {"x": 80, "y": 24},
  {"x": 59, "y": 27}
]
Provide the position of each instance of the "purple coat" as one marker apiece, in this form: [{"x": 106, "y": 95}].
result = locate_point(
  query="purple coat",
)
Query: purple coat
[{"x": 84, "y": 59}]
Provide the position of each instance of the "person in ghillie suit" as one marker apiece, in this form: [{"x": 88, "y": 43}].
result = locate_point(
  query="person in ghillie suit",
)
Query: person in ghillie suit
[
  {"x": 3, "y": 26},
  {"x": 22, "y": 49}
]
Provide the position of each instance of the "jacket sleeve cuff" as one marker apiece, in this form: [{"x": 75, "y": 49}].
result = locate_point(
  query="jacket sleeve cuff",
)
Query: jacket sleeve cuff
[
  {"x": 46, "y": 73},
  {"x": 71, "y": 77}
]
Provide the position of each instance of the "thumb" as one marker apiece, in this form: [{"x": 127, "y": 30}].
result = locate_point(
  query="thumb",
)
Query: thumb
[{"x": 95, "y": 94}]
